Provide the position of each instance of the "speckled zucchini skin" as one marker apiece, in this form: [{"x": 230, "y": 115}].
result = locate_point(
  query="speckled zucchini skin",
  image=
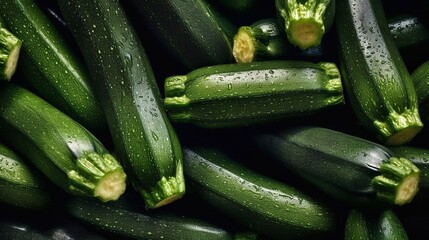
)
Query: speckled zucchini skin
[
  {"x": 142, "y": 135},
  {"x": 378, "y": 84},
  {"x": 50, "y": 65},
  {"x": 243, "y": 94}
]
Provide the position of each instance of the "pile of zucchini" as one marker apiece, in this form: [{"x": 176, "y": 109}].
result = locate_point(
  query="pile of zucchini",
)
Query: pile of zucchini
[{"x": 201, "y": 119}]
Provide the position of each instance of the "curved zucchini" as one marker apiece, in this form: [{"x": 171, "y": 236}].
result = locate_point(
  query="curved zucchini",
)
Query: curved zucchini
[
  {"x": 349, "y": 168},
  {"x": 22, "y": 185},
  {"x": 130, "y": 224},
  {"x": 242, "y": 94},
  {"x": 68, "y": 154},
  {"x": 266, "y": 206},
  {"x": 379, "y": 86},
  {"x": 305, "y": 22},
  {"x": 50, "y": 65},
  {"x": 188, "y": 30},
  {"x": 142, "y": 135},
  {"x": 10, "y": 48},
  {"x": 378, "y": 225}
]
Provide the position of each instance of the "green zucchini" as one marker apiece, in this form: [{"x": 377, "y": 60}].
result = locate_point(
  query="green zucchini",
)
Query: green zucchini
[
  {"x": 262, "y": 40},
  {"x": 349, "y": 168},
  {"x": 241, "y": 94},
  {"x": 125, "y": 223},
  {"x": 305, "y": 22},
  {"x": 143, "y": 136},
  {"x": 10, "y": 47},
  {"x": 420, "y": 157},
  {"x": 379, "y": 86},
  {"x": 407, "y": 30},
  {"x": 49, "y": 64},
  {"x": 378, "y": 225},
  {"x": 239, "y": 6},
  {"x": 262, "y": 204},
  {"x": 20, "y": 231},
  {"x": 67, "y": 153},
  {"x": 420, "y": 78},
  {"x": 22, "y": 185},
  {"x": 188, "y": 30}
]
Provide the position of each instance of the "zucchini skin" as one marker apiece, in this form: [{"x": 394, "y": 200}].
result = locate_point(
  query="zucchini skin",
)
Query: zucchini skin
[
  {"x": 407, "y": 30},
  {"x": 264, "y": 205},
  {"x": 342, "y": 165},
  {"x": 420, "y": 157},
  {"x": 378, "y": 225},
  {"x": 420, "y": 78},
  {"x": 21, "y": 185},
  {"x": 49, "y": 64},
  {"x": 130, "y": 224},
  {"x": 62, "y": 149},
  {"x": 143, "y": 136},
  {"x": 241, "y": 94},
  {"x": 379, "y": 86},
  {"x": 188, "y": 30}
]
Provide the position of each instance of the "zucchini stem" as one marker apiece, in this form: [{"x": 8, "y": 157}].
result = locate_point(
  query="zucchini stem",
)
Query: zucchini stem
[
  {"x": 165, "y": 191},
  {"x": 304, "y": 22},
  {"x": 98, "y": 175},
  {"x": 398, "y": 182},
  {"x": 10, "y": 47}
]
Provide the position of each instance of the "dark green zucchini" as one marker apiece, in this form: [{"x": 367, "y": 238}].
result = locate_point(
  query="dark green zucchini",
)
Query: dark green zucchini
[
  {"x": 143, "y": 137},
  {"x": 379, "y": 86},
  {"x": 10, "y": 47},
  {"x": 20, "y": 231},
  {"x": 21, "y": 184},
  {"x": 349, "y": 168},
  {"x": 62, "y": 149},
  {"x": 49, "y": 64},
  {"x": 130, "y": 224},
  {"x": 374, "y": 225},
  {"x": 407, "y": 30},
  {"x": 262, "y": 40},
  {"x": 305, "y": 22},
  {"x": 240, "y": 6},
  {"x": 188, "y": 30},
  {"x": 262, "y": 204},
  {"x": 420, "y": 157},
  {"x": 241, "y": 94},
  {"x": 420, "y": 78}
]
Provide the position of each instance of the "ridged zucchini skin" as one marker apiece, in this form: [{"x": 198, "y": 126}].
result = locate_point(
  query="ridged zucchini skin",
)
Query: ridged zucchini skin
[
  {"x": 379, "y": 86},
  {"x": 264, "y": 205},
  {"x": 352, "y": 169},
  {"x": 50, "y": 65},
  {"x": 21, "y": 184},
  {"x": 378, "y": 225},
  {"x": 62, "y": 149},
  {"x": 188, "y": 30},
  {"x": 130, "y": 224},
  {"x": 143, "y": 137},
  {"x": 420, "y": 78},
  {"x": 241, "y": 94}
]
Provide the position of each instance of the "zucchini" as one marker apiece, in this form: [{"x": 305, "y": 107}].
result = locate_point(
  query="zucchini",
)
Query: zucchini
[
  {"x": 20, "y": 231},
  {"x": 21, "y": 185},
  {"x": 264, "y": 205},
  {"x": 10, "y": 47},
  {"x": 67, "y": 153},
  {"x": 420, "y": 157},
  {"x": 50, "y": 66},
  {"x": 122, "y": 223},
  {"x": 239, "y": 6},
  {"x": 143, "y": 137},
  {"x": 378, "y": 225},
  {"x": 420, "y": 78},
  {"x": 377, "y": 82},
  {"x": 262, "y": 40},
  {"x": 349, "y": 168},
  {"x": 407, "y": 30},
  {"x": 241, "y": 94},
  {"x": 188, "y": 30},
  {"x": 305, "y": 22}
]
